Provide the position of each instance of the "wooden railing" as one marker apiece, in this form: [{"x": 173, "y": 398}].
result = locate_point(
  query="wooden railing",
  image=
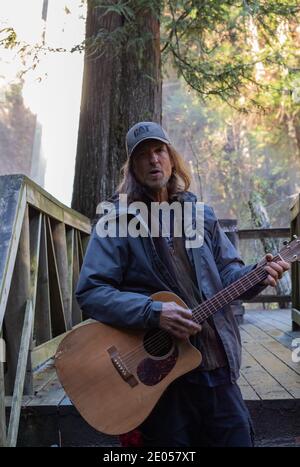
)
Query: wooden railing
[
  {"x": 235, "y": 235},
  {"x": 42, "y": 243},
  {"x": 295, "y": 230},
  {"x": 279, "y": 232}
]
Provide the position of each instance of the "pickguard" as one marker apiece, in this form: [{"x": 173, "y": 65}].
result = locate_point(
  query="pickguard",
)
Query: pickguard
[{"x": 151, "y": 371}]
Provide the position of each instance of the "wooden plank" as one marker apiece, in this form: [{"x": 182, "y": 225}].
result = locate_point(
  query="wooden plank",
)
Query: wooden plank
[
  {"x": 77, "y": 313},
  {"x": 272, "y": 345},
  {"x": 73, "y": 275},
  {"x": 3, "y": 440},
  {"x": 283, "y": 315},
  {"x": 45, "y": 351},
  {"x": 286, "y": 377},
  {"x": 277, "y": 334},
  {"x": 279, "y": 232},
  {"x": 84, "y": 224},
  {"x": 15, "y": 310},
  {"x": 84, "y": 240},
  {"x": 80, "y": 248},
  {"x": 57, "y": 309},
  {"x": 35, "y": 227},
  {"x": 42, "y": 200},
  {"x": 295, "y": 267},
  {"x": 285, "y": 326},
  {"x": 70, "y": 248},
  {"x": 24, "y": 401},
  {"x": 41, "y": 379},
  {"x": 51, "y": 395},
  {"x": 42, "y": 353},
  {"x": 20, "y": 376},
  {"x": 42, "y": 322},
  {"x": 247, "y": 390},
  {"x": 44, "y": 375},
  {"x": 267, "y": 318},
  {"x": 60, "y": 247},
  {"x": 262, "y": 382},
  {"x": 258, "y": 315},
  {"x": 12, "y": 211}
]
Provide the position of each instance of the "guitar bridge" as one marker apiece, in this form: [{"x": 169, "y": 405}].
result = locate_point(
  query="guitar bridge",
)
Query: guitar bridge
[{"x": 121, "y": 367}]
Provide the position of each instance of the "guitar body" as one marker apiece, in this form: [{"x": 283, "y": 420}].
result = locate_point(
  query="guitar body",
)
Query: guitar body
[{"x": 114, "y": 377}]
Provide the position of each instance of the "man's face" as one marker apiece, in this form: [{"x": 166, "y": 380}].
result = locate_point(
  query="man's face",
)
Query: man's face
[{"x": 152, "y": 165}]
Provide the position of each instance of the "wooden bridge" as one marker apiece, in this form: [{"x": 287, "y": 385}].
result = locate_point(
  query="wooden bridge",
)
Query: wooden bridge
[{"x": 41, "y": 252}]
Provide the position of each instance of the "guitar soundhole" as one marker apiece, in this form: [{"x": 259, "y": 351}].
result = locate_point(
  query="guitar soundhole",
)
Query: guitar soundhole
[{"x": 158, "y": 342}]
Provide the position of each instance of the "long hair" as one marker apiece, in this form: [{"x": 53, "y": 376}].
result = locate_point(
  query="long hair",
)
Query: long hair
[{"x": 179, "y": 181}]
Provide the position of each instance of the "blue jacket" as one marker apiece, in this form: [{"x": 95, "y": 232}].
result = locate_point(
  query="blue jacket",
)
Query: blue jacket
[{"x": 119, "y": 274}]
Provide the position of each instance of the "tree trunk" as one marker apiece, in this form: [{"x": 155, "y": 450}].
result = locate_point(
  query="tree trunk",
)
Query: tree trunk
[
  {"x": 121, "y": 86},
  {"x": 261, "y": 220}
]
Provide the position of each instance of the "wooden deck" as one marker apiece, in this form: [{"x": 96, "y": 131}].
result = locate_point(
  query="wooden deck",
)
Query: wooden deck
[
  {"x": 268, "y": 371},
  {"x": 268, "y": 375}
]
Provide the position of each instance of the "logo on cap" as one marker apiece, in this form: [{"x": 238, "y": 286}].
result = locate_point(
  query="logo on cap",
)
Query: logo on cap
[{"x": 141, "y": 130}]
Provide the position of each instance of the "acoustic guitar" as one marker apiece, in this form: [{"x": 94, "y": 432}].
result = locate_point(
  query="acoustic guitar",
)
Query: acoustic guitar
[{"x": 114, "y": 376}]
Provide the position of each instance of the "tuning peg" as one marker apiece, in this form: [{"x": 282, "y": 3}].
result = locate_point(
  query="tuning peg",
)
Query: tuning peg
[
  {"x": 295, "y": 236},
  {"x": 285, "y": 242}
]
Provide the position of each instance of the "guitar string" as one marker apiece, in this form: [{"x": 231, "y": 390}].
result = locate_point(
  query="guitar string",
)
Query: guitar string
[
  {"x": 161, "y": 343},
  {"x": 158, "y": 343},
  {"x": 200, "y": 313}
]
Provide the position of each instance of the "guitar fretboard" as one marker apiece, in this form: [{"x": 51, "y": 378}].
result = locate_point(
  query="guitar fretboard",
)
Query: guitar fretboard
[{"x": 230, "y": 293}]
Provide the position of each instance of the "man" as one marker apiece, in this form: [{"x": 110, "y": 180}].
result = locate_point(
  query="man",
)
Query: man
[{"x": 204, "y": 407}]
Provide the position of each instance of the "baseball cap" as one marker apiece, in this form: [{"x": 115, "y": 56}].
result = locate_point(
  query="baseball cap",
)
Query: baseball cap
[{"x": 141, "y": 132}]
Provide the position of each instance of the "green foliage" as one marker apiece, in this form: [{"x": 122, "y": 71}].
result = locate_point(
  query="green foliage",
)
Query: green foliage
[
  {"x": 241, "y": 53},
  {"x": 235, "y": 154},
  {"x": 213, "y": 44},
  {"x": 216, "y": 46}
]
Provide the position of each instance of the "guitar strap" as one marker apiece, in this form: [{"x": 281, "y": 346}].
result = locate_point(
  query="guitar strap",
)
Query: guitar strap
[{"x": 176, "y": 259}]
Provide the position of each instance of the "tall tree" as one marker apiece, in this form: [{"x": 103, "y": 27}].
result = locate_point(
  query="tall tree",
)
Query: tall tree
[
  {"x": 121, "y": 85},
  {"x": 220, "y": 48}
]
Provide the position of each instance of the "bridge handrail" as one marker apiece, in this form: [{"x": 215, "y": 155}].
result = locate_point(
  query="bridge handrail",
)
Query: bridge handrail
[{"x": 42, "y": 244}]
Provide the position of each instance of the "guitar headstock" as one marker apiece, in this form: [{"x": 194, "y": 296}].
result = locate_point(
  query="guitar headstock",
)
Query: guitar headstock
[{"x": 291, "y": 250}]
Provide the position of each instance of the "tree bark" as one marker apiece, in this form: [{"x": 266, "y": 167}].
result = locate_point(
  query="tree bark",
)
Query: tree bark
[{"x": 120, "y": 87}]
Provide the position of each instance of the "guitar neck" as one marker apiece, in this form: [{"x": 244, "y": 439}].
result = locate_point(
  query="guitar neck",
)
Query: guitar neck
[{"x": 230, "y": 293}]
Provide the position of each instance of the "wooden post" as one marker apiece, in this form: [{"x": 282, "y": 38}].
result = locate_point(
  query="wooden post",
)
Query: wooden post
[
  {"x": 12, "y": 210},
  {"x": 2, "y": 408},
  {"x": 295, "y": 230},
  {"x": 73, "y": 264},
  {"x": 15, "y": 310},
  {"x": 42, "y": 321},
  {"x": 58, "y": 319},
  {"x": 60, "y": 248},
  {"x": 20, "y": 376}
]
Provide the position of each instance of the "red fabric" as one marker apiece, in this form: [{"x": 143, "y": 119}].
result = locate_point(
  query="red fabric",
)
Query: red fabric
[{"x": 131, "y": 439}]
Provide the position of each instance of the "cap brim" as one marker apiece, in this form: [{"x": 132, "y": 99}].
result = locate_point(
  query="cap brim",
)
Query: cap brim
[{"x": 164, "y": 140}]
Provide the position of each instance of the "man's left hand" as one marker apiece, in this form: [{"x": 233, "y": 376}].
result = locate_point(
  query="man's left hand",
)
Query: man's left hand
[{"x": 274, "y": 270}]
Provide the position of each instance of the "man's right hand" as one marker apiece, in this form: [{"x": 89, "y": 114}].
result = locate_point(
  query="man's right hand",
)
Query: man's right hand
[{"x": 178, "y": 321}]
